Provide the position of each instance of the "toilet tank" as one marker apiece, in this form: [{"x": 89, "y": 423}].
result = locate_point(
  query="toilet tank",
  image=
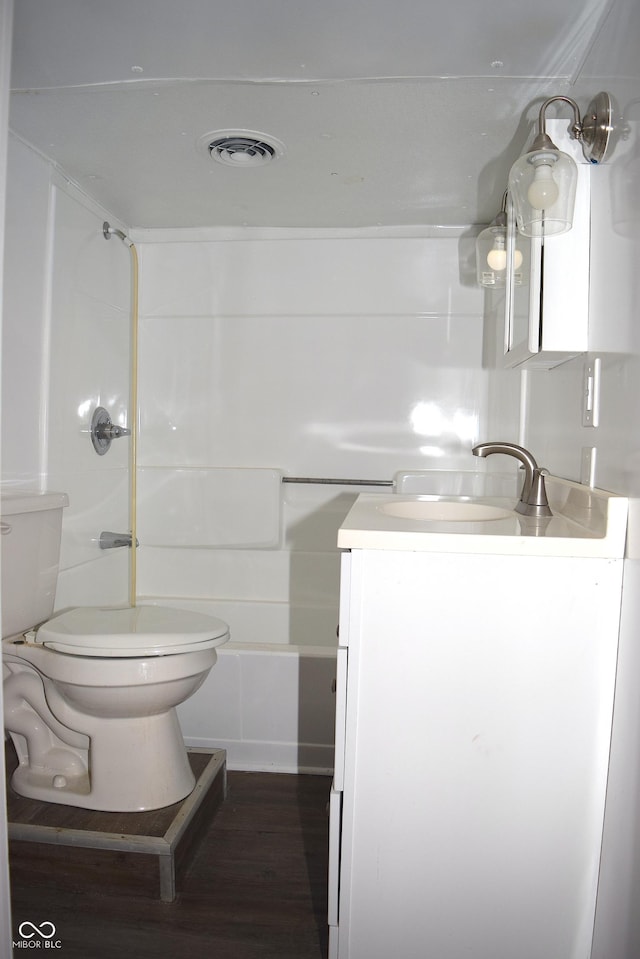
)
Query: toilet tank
[{"x": 30, "y": 542}]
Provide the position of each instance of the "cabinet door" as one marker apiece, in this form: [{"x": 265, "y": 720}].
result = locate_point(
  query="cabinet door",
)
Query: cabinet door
[
  {"x": 335, "y": 833},
  {"x": 476, "y": 761},
  {"x": 341, "y": 718}
]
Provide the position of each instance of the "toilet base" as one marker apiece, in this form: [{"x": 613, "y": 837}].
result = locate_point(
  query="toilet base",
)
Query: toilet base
[
  {"x": 147, "y": 856},
  {"x": 38, "y": 783},
  {"x": 135, "y": 764}
]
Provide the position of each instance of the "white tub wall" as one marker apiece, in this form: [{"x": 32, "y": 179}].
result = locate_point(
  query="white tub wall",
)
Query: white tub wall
[
  {"x": 271, "y": 708},
  {"x": 24, "y": 294},
  {"x": 270, "y": 704},
  {"x": 313, "y": 356},
  {"x": 307, "y": 353},
  {"x": 65, "y": 351}
]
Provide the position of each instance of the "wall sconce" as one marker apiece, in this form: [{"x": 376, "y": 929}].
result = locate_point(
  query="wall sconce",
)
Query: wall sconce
[
  {"x": 542, "y": 183},
  {"x": 491, "y": 253}
]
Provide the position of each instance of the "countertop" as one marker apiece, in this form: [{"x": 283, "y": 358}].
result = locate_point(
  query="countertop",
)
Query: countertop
[{"x": 586, "y": 522}]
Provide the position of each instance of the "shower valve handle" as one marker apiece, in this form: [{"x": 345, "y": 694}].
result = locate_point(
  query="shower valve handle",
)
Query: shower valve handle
[
  {"x": 103, "y": 431},
  {"x": 110, "y": 431}
]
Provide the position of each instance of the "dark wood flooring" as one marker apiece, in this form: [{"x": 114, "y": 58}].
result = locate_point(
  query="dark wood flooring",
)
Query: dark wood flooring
[{"x": 256, "y": 888}]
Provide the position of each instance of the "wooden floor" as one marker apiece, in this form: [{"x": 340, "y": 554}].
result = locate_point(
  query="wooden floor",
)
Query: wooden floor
[{"x": 256, "y": 887}]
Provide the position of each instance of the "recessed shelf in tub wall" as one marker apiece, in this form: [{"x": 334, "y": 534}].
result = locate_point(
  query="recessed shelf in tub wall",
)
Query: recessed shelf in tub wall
[{"x": 217, "y": 508}]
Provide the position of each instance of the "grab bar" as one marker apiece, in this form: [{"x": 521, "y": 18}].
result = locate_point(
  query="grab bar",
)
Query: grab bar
[{"x": 326, "y": 481}]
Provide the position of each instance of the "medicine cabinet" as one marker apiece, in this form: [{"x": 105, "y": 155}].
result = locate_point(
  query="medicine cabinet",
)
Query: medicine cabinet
[{"x": 545, "y": 319}]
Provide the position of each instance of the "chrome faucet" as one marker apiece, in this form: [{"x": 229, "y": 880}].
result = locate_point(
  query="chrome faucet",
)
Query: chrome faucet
[{"x": 533, "y": 498}]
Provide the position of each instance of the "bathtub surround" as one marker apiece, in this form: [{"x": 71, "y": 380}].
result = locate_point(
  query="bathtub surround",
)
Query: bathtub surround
[
  {"x": 67, "y": 335},
  {"x": 287, "y": 355},
  {"x": 299, "y": 353}
]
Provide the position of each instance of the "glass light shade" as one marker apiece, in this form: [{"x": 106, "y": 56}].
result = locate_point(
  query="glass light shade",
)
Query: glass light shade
[
  {"x": 542, "y": 186},
  {"x": 491, "y": 258}
]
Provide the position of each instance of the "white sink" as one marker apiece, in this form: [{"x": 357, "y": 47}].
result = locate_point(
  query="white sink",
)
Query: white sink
[
  {"x": 443, "y": 511},
  {"x": 585, "y": 522}
]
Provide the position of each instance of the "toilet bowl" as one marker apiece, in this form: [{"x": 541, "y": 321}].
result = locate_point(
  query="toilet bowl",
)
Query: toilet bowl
[
  {"x": 90, "y": 694},
  {"x": 89, "y": 700}
]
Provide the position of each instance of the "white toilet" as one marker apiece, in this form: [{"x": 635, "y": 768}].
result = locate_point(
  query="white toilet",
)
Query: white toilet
[{"x": 90, "y": 695}]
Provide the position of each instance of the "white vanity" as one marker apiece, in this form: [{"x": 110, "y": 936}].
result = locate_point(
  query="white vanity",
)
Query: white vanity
[{"x": 476, "y": 676}]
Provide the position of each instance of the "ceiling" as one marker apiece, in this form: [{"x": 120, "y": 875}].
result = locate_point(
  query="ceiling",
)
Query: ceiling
[{"x": 391, "y": 112}]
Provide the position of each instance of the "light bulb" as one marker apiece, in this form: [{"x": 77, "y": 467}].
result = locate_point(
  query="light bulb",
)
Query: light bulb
[
  {"x": 497, "y": 258},
  {"x": 543, "y": 191},
  {"x": 497, "y": 255}
]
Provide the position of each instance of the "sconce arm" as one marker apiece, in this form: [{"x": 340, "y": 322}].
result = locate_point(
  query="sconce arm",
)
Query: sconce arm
[
  {"x": 593, "y": 131},
  {"x": 576, "y": 129}
]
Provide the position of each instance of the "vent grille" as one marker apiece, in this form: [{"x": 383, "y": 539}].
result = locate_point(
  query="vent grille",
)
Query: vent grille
[{"x": 242, "y": 151}]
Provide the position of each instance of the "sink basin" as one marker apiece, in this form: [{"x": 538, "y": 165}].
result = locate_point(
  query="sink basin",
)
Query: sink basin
[
  {"x": 445, "y": 511},
  {"x": 586, "y": 522}
]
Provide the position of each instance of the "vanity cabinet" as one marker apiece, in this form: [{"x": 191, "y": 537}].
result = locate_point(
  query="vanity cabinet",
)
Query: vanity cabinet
[
  {"x": 543, "y": 316},
  {"x": 474, "y": 709}
]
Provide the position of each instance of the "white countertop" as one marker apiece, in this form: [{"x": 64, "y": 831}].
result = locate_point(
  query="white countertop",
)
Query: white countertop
[{"x": 586, "y": 522}]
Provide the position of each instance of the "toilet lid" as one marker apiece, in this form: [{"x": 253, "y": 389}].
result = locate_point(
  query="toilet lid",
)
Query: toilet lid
[{"x": 131, "y": 632}]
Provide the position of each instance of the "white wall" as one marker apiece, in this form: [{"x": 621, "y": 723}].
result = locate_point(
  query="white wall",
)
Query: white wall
[
  {"x": 65, "y": 350},
  {"x": 554, "y": 432},
  {"x": 89, "y": 366},
  {"x": 25, "y": 291}
]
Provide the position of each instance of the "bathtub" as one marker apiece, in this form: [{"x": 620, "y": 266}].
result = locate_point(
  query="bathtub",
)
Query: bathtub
[
  {"x": 269, "y": 699},
  {"x": 270, "y": 705}
]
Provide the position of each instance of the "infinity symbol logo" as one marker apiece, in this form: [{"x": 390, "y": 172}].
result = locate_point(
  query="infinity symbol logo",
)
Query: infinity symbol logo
[{"x": 37, "y": 930}]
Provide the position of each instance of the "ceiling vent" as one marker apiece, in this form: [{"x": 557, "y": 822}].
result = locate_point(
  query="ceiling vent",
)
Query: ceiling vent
[{"x": 241, "y": 148}]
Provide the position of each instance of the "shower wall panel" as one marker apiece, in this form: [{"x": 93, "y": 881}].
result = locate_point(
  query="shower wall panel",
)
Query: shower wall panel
[
  {"x": 314, "y": 357},
  {"x": 66, "y": 350}
]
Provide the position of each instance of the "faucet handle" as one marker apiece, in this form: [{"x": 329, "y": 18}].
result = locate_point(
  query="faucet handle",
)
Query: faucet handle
[{"x": 536, "y": 502}]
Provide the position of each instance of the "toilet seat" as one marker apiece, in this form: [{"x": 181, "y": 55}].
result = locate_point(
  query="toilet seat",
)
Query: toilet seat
[{"x": 131, "y": 632}]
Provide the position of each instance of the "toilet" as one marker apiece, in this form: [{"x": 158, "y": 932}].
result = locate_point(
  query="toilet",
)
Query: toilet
[{"x": 90, "y": 693}]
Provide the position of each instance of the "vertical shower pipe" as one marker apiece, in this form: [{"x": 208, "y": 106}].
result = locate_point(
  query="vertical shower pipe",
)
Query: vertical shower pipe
[{"x": 109, "y": 231}]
